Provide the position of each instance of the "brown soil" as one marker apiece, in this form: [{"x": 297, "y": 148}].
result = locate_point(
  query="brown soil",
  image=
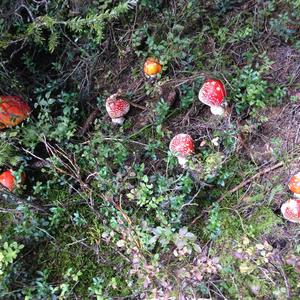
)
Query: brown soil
[
  {"x": 279, "y": 135},
  {"x": 286, "y": 66}
]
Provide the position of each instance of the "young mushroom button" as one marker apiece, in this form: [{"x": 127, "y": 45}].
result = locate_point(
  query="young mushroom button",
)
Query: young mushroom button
[
  {"x": 294, "y": 185},
  {"x": 152, "y": 67},
  {"x": 212, "y": 93},
  {"x": 117, "y": 108},
  {"x": 291, "y": 210},
  {"x": 182, "y": 145}
]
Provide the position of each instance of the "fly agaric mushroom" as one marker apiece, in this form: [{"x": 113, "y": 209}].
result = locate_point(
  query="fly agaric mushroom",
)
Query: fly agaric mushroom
[
  {"x": 294, "y": 185},
  {"x": 13, "y": 110},
  {"x": 182, "y": 145},
  {"x": 7, "y": 179},
  {"x": 291, "y": 210},
  {"x": 212, "y": 93},
  {"x": 117, "y": 108},
  {"x": 152, "y": 67}
]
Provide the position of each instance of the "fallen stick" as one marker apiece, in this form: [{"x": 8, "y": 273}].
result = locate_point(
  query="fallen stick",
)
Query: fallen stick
[
  {"x": 88, "y": 122},
  {"x": 8, "y": 197},
  {"x": 241, "y": 185},
  {"x": 247, "y": 181}
]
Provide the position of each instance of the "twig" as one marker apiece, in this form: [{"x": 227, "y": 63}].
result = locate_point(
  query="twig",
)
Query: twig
[
  {"x": 191, "y": 201},
  {"x": 242, "y": 184},
  {"x": 137, "y": 105},
  {"x": 247, "y": 181},
  {"x": 19, "y": 48},
  {"x": 7, "y": 196},
  {"x": 27, "y": 10},
  {"x": 89, "y": 121},
  {"x": 286, "y": 280}
]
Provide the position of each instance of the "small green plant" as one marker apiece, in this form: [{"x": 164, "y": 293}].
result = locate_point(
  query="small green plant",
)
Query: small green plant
[
  {"x": 8, "y": 154},
  {"x": 284, "y": 26},
  {"x": 251, "y": 92},
  {"x": 167, "y": 49},
  {"x": 161, "y": 111},
  {"x": 213, "y": 228},
  {"x": 96, "y": 289},
  {"x": 91, "y": 26},
  {"x": 144, "y": 195},
  {"x": 8, "y": 253}
]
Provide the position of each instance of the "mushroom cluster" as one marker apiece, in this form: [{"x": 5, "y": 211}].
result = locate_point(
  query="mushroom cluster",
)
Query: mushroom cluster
[
  {"x": 212, "y": 93},
  {"x": 290, "y": 209},
  {"x": 13, "y": 110}
]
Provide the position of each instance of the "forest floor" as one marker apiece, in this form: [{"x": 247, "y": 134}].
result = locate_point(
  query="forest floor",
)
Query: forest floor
[{"x": 106, "y": 212}]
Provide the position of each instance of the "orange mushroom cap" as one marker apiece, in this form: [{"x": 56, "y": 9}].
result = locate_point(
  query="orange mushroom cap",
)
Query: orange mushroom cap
[
  {"x": 7, "y": 179},
  {"x": 13, "y": 110},
  {"x": 291, "y": 210},
  {"x": 152, "y": 67},
  {"x": 294, "y": 184}
]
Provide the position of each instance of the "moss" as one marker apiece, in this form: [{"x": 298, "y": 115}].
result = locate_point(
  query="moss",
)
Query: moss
[
  {"x": 262, "y": 222},
  {"x": 293, "y": 278},
  {"x": 231, "y": 226},
  {"x": 91, "y": 259}
]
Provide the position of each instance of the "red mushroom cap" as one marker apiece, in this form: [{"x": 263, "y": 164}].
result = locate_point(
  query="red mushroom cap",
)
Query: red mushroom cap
[
  {"x": 182, "y": 145},
  {"x": 117, "y": 108},
  {"x": 7, "y": 179},
  {"x": 294, "y": 184},
  {"x": 291, "y": 210},
  {"x": 212, "y": 93},
  {"x": 13, "y": 110}
]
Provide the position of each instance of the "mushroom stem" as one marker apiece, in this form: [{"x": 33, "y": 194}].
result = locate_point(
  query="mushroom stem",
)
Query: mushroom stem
[
  {"x": 119, "y": 121},
  {"x": 297, "y": 196},
  {"x": 150, "y": 77},
  {"x": 217, "y": 110},
  {"x": 182, "y": 161}
]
